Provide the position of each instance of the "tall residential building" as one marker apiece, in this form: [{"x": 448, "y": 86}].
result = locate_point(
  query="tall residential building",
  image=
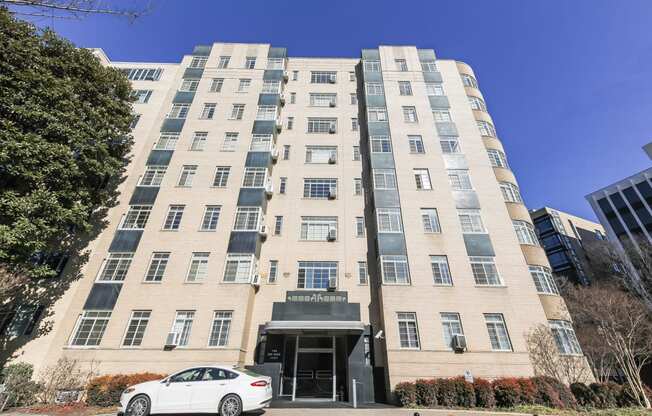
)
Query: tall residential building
[
  {"x": 321, "y": 220},
  {"x": 563, "y": 237}
]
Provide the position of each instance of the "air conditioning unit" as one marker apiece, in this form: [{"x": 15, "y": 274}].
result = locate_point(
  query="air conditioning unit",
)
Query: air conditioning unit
[
  {"x": 279, "y": 126},
  {"x": 281, "y": 99},
  {"x": 332, "y": 104},
  {"x": 459, "y": 343},
  {"x": 332, "y": 79},
  {"x": 332, "y": 193},
  {"x": 332, "y": 129},
  {"x": 274, "y": 153},
  {"x": 262, "y": 231},
  {"x": 255, "y": 280},
  {"x": 172, "y": 340},
  {"x": 332, "y": 284},
  {"x": 332, "y": 159},
  {"x": 286, "y": 76},
  {"x": 269, "y": 188},
  {"x": 332, "y": 235}
]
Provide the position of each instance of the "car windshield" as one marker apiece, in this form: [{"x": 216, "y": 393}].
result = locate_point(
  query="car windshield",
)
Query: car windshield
[{"x": 247, "y": 372}]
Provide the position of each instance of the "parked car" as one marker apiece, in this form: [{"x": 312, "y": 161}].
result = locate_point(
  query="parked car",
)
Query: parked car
[{"x": 228, "y": 391}]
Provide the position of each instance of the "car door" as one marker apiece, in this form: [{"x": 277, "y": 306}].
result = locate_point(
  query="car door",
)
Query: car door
[
  {"x": 208, "y": 392},
  {"x": 175, "y": 394}
]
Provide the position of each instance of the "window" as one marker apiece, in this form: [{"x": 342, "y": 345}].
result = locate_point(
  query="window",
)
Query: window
[
  {"x": 477, "y": 103},
  {"x": 246, "y": 219},
  {"x": 283, "y": 185},
  {"x": 142, "y": 74},
  {"x": 543, "y": 280},
  {"x": 319, "y": 188},
  {"x": 459, "y": 179},
  {"x": 384, "y": 179},
  {"x": 266, "y": 112},
  {"x": 167, "y": 141},
  {"x": 401, "y": 65},
  {"x": 395, "y": 269},
  {"x": 363, "y": 273},
  {"x": 198, "y": 267},
  {"x": 90, "y": 328},
  {"x": 486, "y": 128},
  {"x": 211, "y": 217},
  {"x": 219, "y": 336},
  {"x": 136, "y": 328},
  {"x": 179, "y": 111},
  {"x": 136, "y": 217},
  {"x": 497, "y": 332},
  {"x": 374, "y": 88},
  {"x": 428, "y": 66},
  {"x": 404, "y": 88},
  {"x": 422, "y": 178},
  {"x": 221, "y": 176},
  {"x": 359, "y": 227},
  {"x": 322, "y": 125},
  {"x": 286, "y": 152},
  {"x": 244, "y": 84},
  {"x": 188, "y": 173},
  {"x": 510, "y": 192},
  {"x": 142, "y": 96},
  {"x": 271, "y": 86},
  {"x": 230, "y": 142},
  {"x": 323, "y": 77},
  {"x": 357, "y": 186},
  {"x": 380, "y": 144},
  {"x": 238, "y": 268},
  {"x": 321, "y": 154},
  {"x": 157, "y": 265},
  {"x": 356, "y": 153},
  {"x": 278, "y": 224},
  {"x": 408, "y": 332},
  {"x": 469, "y": 81},
  {"x": 471, "y": 221},
  {"x": 323, "y": 100},
  {"x": 199, "y": 141},
  {"x": 273, "y": 271},
  {"x": 153, "y": 175},
  {"x": 182, "y": 326},
  {"x": 250, "y": 62},
  {"x": 377, "y": 114},
  {"x": 317, "y": 228},
  {"x": 223, "y": 62},
  {"x": 316, "y": 274},
  {"x": 134, "y": 121},
  {"x": 355, "y": 126},
  {"x": 216, "y": 85},
  {"x": 449, "y": 145},
  {"x": 293, "y": 98},
  {"x": 434, "y": 88},
  {"x": 565, "y": 337},
  {"x": 410, "y": 115},
  {"x": 484, "y": 271},
  {"x": 441, "y": 273},
  {"x": 430, "y": 220},
  {"x": 261, "y": 143},
  {"x": 389, "y": 220},
  {"x": 441, "y": 116},
  {"x": 115, "y": 267},
  {"x": 290, "y": 123},
  {"x": 525, "y": 233},
  {"x": 497, "y": 158},
  {"x": 372, "y": 66},
  {"x": 354, "y": 98},
  {"x": 237, "y": 111},
  {"x": 198, "y": 62},
  {"x": 173, "y": 219},
  {"x": 275, "y": 63},
  {"x": 189, "y": 84},
  {"x": 254, "y": 177},
  {"x": 451, "y": 325},
  {"x": 416, "y": 144},
  {"x": 295, "y": 75}
]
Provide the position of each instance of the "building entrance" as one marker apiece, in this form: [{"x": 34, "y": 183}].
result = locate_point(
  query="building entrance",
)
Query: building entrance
[{"x": 310, "y": 368}]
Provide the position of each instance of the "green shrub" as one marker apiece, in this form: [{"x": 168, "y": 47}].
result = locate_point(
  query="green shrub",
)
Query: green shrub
[
  {"x": 583, "y": 394},
  {"x": 484, "y": 393},
  {"x": 17, "y": 379},
  {"x": 606, "y": 394},
  {"x": 105, "y": 391},
  {"x": 465, "y": 392},
  {"x": 406, "y": 394},
  {"x": 507, "y": 392},
  {"x": 528, "y": 392},
  {"x": 426, "y": 392},
  {"x": 446, "y": 392}
]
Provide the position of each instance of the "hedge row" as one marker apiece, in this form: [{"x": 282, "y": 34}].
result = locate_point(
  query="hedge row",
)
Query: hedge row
[
  {"x": 106, "y": 390},
  {"x": 510, "y": 392}
]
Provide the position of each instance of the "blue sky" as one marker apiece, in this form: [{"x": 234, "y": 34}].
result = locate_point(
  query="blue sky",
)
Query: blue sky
[{"x": 568, "y": 82}]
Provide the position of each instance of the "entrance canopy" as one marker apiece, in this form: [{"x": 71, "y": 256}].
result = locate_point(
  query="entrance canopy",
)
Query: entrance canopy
[{"x": 302, "y": 327}]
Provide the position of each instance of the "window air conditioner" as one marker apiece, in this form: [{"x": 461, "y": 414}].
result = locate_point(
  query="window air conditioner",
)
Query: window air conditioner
[
  {"x": 269, "y": 188},
  {"x": 274, "y": 153},
  {"x": 332, "y": 104},
  {"x": 172, "y": 340},
  {"x": 281, "y": 99},
  {"x": 279, "y": 126},
  {"x": 262, "y": 231},
  {"x": 255, "y": 280},
  {"x": 332, "y": 159},
  {"x": 332, "y": 235},
  {"x": 286, "y": 76},
  {"x": 332, "y": 284},
  {"x": 332, "y": 193},
  {"x": 332, "y": 79},
  {"x": 332, "y": 129},
  {"x": 459, "y": 343}
]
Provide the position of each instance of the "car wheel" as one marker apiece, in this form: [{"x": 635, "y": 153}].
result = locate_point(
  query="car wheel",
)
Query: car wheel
[
  {"x": 231, "y": 405},
  {"x": 138, "y": 406}
]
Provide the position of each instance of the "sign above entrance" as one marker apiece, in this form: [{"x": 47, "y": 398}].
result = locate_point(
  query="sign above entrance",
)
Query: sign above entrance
[{"x": 308, "y": 296}]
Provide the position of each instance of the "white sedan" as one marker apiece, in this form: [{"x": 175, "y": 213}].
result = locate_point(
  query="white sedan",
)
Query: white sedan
[{"x": 208, "y": 389}]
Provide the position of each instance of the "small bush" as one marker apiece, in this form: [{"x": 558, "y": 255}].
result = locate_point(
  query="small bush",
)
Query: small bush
[
  {"x": 546, "y": 394},
  {"x": 406, "y": 394},
  {"x": 606, "y": 394},
  {"x": 446, "y": 392},
  {"x": 465, "y": 392},
  {"x": 528, "y": 392},
  {"x": 484, "y": 393},
  {"x": 583, "y": 394},
  {"x": 17, "y": 379},
  {"x": 105, "y": 391},
  {"x": 507, "y": 392},
  {"x": 564, "y": 392},
  {"x": 426, "y": 392}
]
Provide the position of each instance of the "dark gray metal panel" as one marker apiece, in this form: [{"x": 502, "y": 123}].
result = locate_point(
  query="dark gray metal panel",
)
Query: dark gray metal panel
[
  {"x": 159, "y": 157},
  {"x": 324, "y": 311},
  {"x": 103, "y": 296},
  {"x": 264, "y": 127},
  {"x": 144, "y": 195},
  {"x": 386, "y": 199},
  {"x": 183, "y": 97},
  {"x": 243, "y": 242},
  {"x": 359, "y": 368},
  {"x": 426, "y": 54},
  {"x": 378, "y": 128},
  {"x": 277, "y": 52},
  {"x": 466, "y": 199},
  {"x": 193, "y": 73},
  {"x": 391, "y": 244},
  {"x": 432, "y": 77},
  {"x": 125, "y": 241},
  {"x": 455, "y": 161},
  {"x": 273, "y": 75},
  {"x": 438, "y": 101},
  {"x": 173, "y": 125},
  {"x": 258, "y": 160},
  {"x": 478, "y": 245},
  {"x": 371, "y": 54},
  {"x": 446, "y": 129},
  {"x": 372, "y": 77},
  {"x": 252, "y": 197},
  {"x": 269, "y": 99},
  {"x": 202, "y": 50},
  {"x": 382, "y": 161},
  {"x": 376, "y": 101}
]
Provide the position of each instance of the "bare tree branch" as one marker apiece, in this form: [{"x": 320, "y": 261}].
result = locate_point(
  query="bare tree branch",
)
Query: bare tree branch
[{"x": 74, "y": 8}]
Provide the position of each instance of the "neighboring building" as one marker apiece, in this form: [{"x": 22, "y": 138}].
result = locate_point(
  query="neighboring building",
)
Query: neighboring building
[
  {"x": 563, "y": 236},
  {"x": 261, "y": 224}
]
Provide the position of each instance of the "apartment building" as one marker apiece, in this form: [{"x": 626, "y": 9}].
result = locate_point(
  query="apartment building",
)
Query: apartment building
[{"x": 335, "y": 223}]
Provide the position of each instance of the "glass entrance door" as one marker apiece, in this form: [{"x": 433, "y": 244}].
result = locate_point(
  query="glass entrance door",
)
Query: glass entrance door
[{"x": 314, "y": 368}]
